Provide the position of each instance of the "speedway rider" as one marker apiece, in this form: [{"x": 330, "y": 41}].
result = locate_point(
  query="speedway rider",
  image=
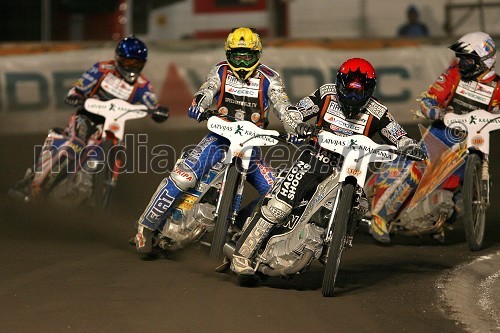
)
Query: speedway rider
[
  {"x": 242, "y": 89},
  {"x": 119, "y": 78},
  {"x": 344, "y": 108},
  {"x": 469, "y": 85}
]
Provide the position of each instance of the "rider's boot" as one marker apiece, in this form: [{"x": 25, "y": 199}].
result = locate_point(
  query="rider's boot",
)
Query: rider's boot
[
  {"x": 144, "y": 241},
  {"x": 378, "y": 230},
  {"x": 255, "y": 232},
  {"x": 21, "y": 189},
  {"x": 152, "y": 217},
  {"x": 439, "y": 236}
]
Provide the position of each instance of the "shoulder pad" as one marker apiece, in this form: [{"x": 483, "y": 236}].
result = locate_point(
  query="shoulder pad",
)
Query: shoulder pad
[
  {"x": 376, "y": 108},
  {"x": 327, "y": 89},
  {"x": 267, "y": 71},
  {"x": 106, "y": 65},
  {"x": 223, "y": 62}
]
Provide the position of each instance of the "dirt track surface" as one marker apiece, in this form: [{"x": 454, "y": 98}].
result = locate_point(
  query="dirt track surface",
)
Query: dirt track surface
[{"x": 74, "y": 271}]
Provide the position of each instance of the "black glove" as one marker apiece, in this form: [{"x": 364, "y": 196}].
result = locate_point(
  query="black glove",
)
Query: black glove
[
  {"x": 74, "y": 100},
  {"x": 414, "y": 152},
  {"x": 161, "y": 114},
  {"x": 304, "y": 130}
]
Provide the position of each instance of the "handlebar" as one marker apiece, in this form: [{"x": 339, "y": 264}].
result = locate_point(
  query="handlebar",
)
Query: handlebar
[
  {"x": 315, "y": 130},
  {"x": 282, "y": 137}
]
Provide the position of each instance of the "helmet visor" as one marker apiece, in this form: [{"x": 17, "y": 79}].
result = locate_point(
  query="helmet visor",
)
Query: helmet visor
[
  {"x": 353, "y": 94},
  {"x": 469, "y": 65},
  {"x": 466, "y": 64}
]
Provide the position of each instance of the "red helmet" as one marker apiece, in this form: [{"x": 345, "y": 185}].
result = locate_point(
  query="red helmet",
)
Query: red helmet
[{"x": 356, "y": 81}]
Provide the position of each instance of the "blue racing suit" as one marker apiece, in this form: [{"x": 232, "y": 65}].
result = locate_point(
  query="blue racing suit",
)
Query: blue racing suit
[{"x": 104, "y": 82}]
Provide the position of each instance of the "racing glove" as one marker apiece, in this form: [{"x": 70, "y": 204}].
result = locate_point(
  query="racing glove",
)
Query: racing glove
[
  {"x": 195, "y": 111},
  {"x": 161, "y": 114},
  {"x": 74, "y": 99},
  {"x": 430, "y": 109},
  {"x": 291, "y": 118},
  {"x": 304, "y": 130}
]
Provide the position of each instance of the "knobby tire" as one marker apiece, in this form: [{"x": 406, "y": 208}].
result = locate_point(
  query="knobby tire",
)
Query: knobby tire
[
  {"x": 337, "y": 244},
  {"x": 222, "y": 222},
  {"x": 474, "y": 216},
  {"x": 102, "y": 180}
]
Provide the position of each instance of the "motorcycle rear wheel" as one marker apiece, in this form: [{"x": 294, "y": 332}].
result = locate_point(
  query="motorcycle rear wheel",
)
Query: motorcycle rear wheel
[
  {"x": 222, "y": 222},
  {"x": 337, "y": 245},
  {"x": 103, "y": 187},
  {"x": 474, "y": 217}
]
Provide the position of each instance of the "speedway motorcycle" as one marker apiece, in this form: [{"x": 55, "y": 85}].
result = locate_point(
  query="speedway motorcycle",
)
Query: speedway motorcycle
[
  {"x": 429, "y": 208},
  {"x": 71, "y": 176},
  {"x": 324, "y": 224},
  {"x": 213, "y": 204}
]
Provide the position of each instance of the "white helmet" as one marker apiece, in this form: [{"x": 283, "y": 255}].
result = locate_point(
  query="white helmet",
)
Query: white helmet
[{"x": 476, "y": 51}]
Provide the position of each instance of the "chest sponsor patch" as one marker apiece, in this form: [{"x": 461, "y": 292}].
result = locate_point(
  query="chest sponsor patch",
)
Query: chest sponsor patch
[
  {"x": 475, "y": 91},
  {"x": 116, "y": 87},
  {"x": 238, "y": 88},
  {"x": 334, "y": 109},
  {"x": 343, "y": 125}
]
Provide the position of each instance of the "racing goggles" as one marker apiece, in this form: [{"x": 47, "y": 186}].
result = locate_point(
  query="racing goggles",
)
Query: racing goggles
[
  {"x": 132, "y": 65},
  {"x": 468, "y": 63},
  {"x": 243, "y": 58},
  {"x": 353, "y": 91}
]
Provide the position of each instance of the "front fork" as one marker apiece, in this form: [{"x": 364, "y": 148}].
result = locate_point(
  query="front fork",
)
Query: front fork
[
  {"x": 329, "y": 229},
  {"x": 485, "y": 181},
  {"x": 238, "y": 195},
  {"x": 351, "y": 227}
]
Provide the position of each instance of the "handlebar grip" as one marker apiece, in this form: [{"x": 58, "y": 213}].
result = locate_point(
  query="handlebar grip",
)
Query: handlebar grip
[{"x": 207, "y": 114}]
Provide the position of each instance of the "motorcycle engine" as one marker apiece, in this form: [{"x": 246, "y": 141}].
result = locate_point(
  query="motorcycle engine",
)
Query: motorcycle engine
[
  {"x": 187, "y": 228},
  {"x": 284, "y": 249},
  {"x": 426, "y": 212},
  {"x": 72, "y": 190}
]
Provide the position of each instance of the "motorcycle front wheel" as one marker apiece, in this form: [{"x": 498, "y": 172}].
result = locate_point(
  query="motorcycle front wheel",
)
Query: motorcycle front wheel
[
  {"x": 103, "y": 186},
  {"x": 337, "y": 245},
  {"x": 474, "y": 217},
  {"x": 225, "y": 208}
]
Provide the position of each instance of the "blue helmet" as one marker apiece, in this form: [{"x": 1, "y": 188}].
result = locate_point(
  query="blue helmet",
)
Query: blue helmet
[{"x": 131, "y": 55}]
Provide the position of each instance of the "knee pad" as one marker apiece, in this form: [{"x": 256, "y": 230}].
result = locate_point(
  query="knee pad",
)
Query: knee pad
[
  {"x": 275, "y": 211},
  {"x": 183, "y": 177}
]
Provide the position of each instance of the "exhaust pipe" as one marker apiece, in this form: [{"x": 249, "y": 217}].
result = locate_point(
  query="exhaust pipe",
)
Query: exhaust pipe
[
  {"x": 230, "y": 247},
  {"x": 429, "y": 230}
]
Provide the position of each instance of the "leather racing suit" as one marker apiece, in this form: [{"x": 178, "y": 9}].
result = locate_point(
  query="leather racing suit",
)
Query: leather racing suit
[
  {"x": 315, "y": 164},
  {"x": 241, "y": 100},
  {"x": 101, "y": 81},
  {"x": 448, "y": 92}
]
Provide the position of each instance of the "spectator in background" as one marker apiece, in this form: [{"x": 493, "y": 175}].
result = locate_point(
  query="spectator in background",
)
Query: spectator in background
[{"x": 413, "y": 28}]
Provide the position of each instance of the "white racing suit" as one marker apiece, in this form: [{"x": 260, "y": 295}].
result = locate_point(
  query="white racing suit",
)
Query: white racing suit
[{"x": 240, "y": 100}]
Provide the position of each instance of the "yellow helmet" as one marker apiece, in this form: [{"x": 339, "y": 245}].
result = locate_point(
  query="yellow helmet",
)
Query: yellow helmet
[{"x": 243, "y": 49}]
